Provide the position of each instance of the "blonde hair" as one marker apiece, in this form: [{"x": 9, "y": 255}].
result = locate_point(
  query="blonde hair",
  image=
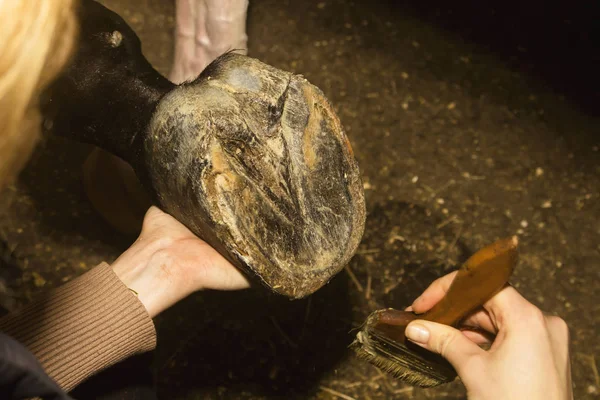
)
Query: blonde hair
[{"x": 36, "y": 37}]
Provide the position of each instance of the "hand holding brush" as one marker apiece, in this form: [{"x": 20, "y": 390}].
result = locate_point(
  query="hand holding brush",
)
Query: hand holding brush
[
  {"x": 529, "y": 353},
  {"x": 528, "y": 357}
]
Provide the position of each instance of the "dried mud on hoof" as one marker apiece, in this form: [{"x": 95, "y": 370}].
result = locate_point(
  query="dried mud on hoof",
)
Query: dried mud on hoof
[{"x": 255, "y": 161}]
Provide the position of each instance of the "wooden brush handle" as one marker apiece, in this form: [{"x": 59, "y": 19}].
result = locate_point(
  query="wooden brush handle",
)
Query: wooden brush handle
[{"x": 482, "y": 276}]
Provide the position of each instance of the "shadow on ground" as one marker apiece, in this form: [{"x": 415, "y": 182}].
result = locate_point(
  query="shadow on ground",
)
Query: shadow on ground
[{"x": 253, "y": 343}]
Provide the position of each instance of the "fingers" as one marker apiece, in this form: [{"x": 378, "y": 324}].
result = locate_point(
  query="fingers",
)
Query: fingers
[
  {"x": 450, "y": 343},
  {"x": 206, "y": 268},
  {"x": 158, "y": 223},
  {"x": 479, "y": 337},
  {"x": 559, "y": 339},
  {"x": 481, "y": 320},
  {"x": 153, "y": 219},
  {"x": 559, "y": 331},
  {"x": 511, "y": 311},
  {"x": 508, "y": 303},
  {"x": 433, "y": 293},
  {"x": 222, "y": 275},
  {"x": 506, "y": 307},
  {"x": 199, "y": 262}
]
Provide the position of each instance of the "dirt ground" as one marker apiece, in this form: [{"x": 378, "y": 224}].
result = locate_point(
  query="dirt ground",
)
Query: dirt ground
[{"x": 469, "y": 122}]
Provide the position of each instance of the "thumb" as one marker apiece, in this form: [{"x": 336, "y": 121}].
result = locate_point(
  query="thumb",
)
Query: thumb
[{"x": 450, "y": 343}]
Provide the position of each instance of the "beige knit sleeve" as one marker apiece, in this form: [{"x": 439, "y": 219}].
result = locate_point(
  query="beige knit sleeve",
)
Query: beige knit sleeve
[{"x": 83, "y": 326}]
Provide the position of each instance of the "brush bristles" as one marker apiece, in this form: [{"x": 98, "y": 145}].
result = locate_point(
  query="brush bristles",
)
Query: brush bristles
[
  {"x": 395, "y": 370},
  {"x": 414, "y": 366}
]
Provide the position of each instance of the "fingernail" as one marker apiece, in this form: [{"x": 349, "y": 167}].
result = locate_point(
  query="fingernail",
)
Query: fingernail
[
  {"x": 417, "y": 333},
  {"x": 409, "y": 308}
]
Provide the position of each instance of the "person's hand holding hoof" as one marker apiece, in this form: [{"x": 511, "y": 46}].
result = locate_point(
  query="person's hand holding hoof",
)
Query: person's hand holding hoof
[{"x": 168, "y": 262}]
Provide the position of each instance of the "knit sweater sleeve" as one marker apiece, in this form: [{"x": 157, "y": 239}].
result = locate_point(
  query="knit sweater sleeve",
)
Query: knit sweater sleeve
[{"x": 82, "y": 327}]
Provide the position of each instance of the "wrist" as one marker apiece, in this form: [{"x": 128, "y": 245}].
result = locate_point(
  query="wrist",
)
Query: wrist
[{"x": 145, "y": 268}]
